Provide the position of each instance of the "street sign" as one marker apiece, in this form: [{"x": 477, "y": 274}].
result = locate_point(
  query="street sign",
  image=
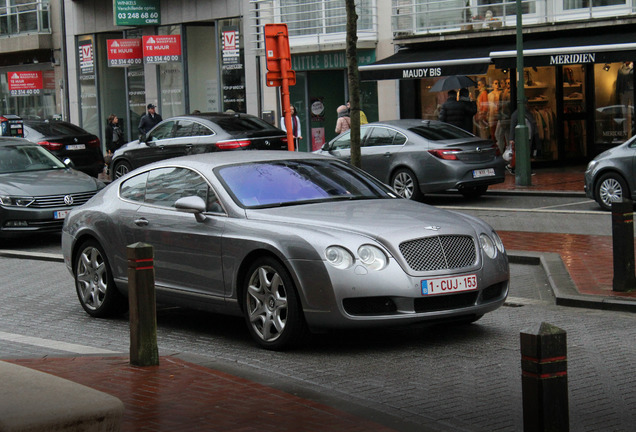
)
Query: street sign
[
  {"x": 274, "y": 51},
  {"x": 124, "y": 52},
  {"x": 25, "y": 83},
  {"x": 274, "y": 79},
  {"x": 162, "y": 48},
  {"x": 136, "y": 12}
]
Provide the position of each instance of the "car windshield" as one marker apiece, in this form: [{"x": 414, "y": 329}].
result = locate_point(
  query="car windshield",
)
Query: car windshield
[
  {"x": 440, "y": 132},
  {"x": 24, "y": 158},
  {"x": 278, "y": 183},
  {"x": 56, "y": 128}
]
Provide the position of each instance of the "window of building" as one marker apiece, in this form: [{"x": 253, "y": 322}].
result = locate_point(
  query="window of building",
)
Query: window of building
[
  {"x": 171, "y": 84},
  {"x": 614, "y": 113},
  {"x": 203, "y": 71}
]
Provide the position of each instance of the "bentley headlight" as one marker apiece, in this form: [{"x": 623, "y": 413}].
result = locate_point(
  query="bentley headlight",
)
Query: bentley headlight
[
  {"x": 487, "y": 245},
  {"x": 15, "y": 201},
  {"x": 339, "y": 257},
  {"x": 372, "y": 257},
  {"x": 498, "y": 242}
]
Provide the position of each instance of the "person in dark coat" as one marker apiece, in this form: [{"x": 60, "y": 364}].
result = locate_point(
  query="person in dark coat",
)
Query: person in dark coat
[
  {"x": 458, "y": 112},
  {"x": 149, "y": 120},
  {"x": 113, "y": 133}
]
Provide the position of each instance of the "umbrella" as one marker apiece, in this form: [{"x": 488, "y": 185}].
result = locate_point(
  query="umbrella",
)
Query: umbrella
[{"x": 452, "y": 82}]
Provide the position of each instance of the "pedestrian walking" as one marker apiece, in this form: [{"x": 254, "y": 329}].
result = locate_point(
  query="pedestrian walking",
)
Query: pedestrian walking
[
  {"x": 344, "y": 121},
  {"x": 149, "y": 120},
  {"x": 296, "y": 131},
  {"x": 114, "y": 134}
]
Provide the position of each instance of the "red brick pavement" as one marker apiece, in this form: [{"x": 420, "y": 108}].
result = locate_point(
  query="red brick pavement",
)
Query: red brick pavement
[{"x": 182, "y": 396}]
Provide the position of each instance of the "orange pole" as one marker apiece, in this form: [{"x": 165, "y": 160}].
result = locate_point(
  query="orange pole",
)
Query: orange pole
[{"x": 284, "y": 92}]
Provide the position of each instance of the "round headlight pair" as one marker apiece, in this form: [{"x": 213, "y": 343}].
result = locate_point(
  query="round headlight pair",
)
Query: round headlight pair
[
  {"x": 371, "y": 256},
  {"x": 491, "y": 246}
]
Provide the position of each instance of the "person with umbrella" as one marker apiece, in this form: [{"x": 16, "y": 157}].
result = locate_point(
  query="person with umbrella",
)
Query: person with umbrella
[{"x": 458, "y": 112}]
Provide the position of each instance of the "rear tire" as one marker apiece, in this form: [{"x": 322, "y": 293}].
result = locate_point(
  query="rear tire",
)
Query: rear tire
[{"x": 405, "y": 184}]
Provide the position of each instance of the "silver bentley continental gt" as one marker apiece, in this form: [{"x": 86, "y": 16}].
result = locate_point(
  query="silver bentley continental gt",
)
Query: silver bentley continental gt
[{"x": 290, "y": 241}]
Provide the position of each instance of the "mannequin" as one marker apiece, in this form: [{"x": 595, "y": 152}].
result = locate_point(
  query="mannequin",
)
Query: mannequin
[
  {"x": 502, "y": 132},
  {"x": 482, "y": 110},
  {"x": 494, "y": 104}
]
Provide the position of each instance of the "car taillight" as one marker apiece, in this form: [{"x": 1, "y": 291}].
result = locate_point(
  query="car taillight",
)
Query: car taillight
[
  {"x": 447, "y": 154},
  {"x": 50, "y": 145},
  {"x": 284, "y": 139},
  {"x": 232, "y": 144},
  {"x": 94, "y": 143}
]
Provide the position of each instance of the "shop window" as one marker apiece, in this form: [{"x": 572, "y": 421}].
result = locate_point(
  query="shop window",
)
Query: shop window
[
  {"x": 614, "y": 104},
  {"x": 136, "y": 90},
  {"x": 87, "y": 84},
  {"x": 171, "y": 81},
  {"x": 203, "y": 73}
]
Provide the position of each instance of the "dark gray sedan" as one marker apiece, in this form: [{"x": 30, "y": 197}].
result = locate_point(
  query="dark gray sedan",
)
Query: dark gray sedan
[
  {"x": 611, "y": 176},
  {"x": 37, "y": 190},
  {"x": 290, "y": 241},
  {"x": 195, "y": 134},
  {"x": 416, "y": 157}
]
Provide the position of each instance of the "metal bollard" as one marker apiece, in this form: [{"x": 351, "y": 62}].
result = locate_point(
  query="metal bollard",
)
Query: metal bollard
[
  {"x": 141, "y": 300},
  {"x": 544, "y": 380},
  {"x": 623, "y": 245}
]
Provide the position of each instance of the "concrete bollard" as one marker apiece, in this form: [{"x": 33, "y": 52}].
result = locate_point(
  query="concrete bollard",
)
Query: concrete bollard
[
  {"x": 544, "y": 380},
  {"x": 623, "y": 245},
  {"x": 141, "y": 299}
]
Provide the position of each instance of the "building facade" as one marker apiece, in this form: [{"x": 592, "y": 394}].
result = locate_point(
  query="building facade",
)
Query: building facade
[
  {"x": 32, "y": 75},
  {"x": 578, "y": 67},
  {"x": 180, "y": 55}
]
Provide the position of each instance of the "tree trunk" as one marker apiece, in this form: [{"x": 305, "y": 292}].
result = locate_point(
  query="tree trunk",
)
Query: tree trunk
[{"x": 354, "y": 81}]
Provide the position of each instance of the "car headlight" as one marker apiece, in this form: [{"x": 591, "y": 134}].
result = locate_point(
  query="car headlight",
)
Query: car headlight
[
  {"x": 339, "y": 257},
  {"x": 372, "y": 257},
  {"x": 15, "y": 201},
  {"x": 498, "y": 242},
  {"x": 488, "y": 246}
]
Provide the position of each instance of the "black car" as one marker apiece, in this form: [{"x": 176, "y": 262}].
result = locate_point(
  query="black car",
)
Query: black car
[
  {"x": 65, "y": 140},
  {"x": 37, "y": 190},
  {"x": 200, "y": 133}
]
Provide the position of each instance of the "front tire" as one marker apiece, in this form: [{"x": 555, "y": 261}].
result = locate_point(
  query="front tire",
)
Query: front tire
[
  {"x": 271, "y": 306},
  {"x": 94, "y": 282},
  {"x": 405, "y": 184},
  {"x": 121, "y": 168},
  {"x": 610, "y": 187}
]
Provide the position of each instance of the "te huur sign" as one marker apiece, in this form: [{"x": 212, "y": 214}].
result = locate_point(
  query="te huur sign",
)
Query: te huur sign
[{"x": 136, "y": 12}]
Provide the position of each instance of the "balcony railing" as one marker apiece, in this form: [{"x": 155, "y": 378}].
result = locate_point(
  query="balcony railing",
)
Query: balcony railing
[
  {"x": 20, "y": 17},
  {"x": 313, "y": 21},
  {"x": 421, "y": 17}
]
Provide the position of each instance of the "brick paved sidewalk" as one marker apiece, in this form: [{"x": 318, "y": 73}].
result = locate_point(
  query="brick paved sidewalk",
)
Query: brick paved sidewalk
[{"x": 182, "y": 396}]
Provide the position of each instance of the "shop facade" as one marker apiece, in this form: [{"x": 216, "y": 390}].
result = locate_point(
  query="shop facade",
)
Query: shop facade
[
  {"x": 579, "y": 87},
  {"x": 31, "y": 70},
  {"x": 190, "y": 57}
]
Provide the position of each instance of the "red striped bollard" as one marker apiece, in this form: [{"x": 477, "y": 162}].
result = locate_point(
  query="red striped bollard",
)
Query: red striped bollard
[
  {"x": 141, "y": 300},
  {"x": 544, "y": 380}
]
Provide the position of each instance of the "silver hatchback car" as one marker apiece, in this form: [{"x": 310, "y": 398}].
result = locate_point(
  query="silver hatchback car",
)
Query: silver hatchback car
[{"x": 416, "y": 157}]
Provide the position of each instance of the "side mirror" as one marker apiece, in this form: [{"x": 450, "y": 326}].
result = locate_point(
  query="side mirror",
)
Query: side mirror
[
  {"x": 69, "y": 163},
  {"x": 192, "y": 204},
  {"x": 325, "y": 147}
]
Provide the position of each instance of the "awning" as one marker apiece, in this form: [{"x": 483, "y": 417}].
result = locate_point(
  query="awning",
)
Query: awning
[
  {"x": 412, "y": 63},
  {"x": 593, "y": 48}
]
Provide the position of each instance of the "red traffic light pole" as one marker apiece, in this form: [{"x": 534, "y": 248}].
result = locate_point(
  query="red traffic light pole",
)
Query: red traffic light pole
[{"x": 279, "y": 72}]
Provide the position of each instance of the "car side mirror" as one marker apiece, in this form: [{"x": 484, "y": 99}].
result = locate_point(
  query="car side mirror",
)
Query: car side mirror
[
  {"x": 69, "y": 163},
  {"x": 192, "y": 204},
  {"x": 325, "y": 147}
]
